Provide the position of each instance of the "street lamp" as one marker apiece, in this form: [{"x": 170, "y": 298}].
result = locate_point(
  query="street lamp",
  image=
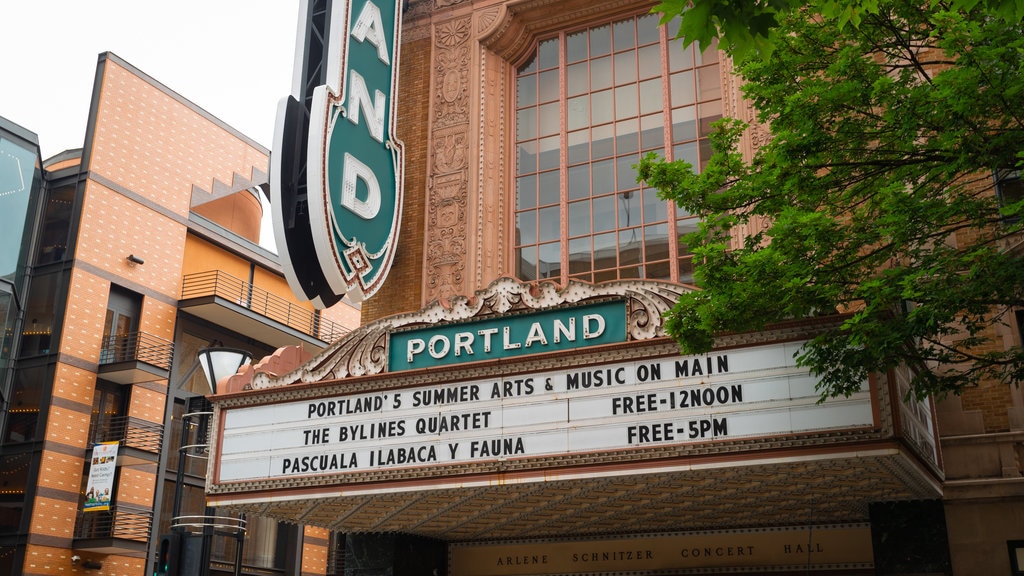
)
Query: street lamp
[{"x": 217, "y": 364}]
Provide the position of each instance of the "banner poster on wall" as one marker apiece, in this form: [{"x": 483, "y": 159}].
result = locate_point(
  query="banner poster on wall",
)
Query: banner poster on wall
[{"x": 100, "y": 488}]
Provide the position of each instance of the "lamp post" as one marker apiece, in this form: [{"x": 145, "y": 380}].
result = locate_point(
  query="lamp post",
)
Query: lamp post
[{"x": 217, "y": 363}]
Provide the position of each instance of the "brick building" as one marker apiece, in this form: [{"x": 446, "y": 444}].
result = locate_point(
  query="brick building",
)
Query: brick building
[{"x": 135, "y": 252}]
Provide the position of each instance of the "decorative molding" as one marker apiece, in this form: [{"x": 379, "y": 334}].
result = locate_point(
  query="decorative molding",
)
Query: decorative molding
[
  {"x": 448, "y": 183},
  {"x": 518, "y": 23},
  {"x": 364, "y": 351}
]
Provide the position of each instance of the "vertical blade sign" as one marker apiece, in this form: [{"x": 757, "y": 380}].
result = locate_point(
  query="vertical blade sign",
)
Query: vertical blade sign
[
  {"x": 355, "y": 161},
  {"x": 349, "y": 169}
]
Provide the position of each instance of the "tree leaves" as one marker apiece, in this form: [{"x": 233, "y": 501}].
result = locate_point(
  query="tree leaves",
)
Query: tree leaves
[{"x": 887, "y": 122}]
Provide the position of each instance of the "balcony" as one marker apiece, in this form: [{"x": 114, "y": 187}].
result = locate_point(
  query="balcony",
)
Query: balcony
[
  {"x": 122, "y": 530},
  {"x": 139, "y": 440},
  {"x": 247, "y": 309},
  {"x": 135, "y": 357}
]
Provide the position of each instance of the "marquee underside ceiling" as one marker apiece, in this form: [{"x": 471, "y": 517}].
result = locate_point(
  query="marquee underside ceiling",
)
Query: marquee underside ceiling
[{"x": 796, "y": 490}]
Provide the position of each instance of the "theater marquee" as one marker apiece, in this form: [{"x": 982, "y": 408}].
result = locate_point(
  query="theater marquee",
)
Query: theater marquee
[{"x": 526, "y": 413}]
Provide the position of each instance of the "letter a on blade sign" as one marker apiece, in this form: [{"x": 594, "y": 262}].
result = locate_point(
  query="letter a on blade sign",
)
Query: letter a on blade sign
[{"x": 353, "y": 162}]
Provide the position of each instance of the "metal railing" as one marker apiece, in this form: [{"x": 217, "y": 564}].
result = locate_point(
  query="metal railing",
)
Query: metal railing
[
  {"x": 258, "y": 300},
  {"x": 122, "y": 521},
  {"x": 131, "y": 432},
  {"x": 138, "y": 346}
]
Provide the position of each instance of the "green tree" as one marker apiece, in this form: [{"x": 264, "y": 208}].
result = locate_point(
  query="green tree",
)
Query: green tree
[
  {"x": 878, "y": 195},
  {"x": 750, "y": 27}
]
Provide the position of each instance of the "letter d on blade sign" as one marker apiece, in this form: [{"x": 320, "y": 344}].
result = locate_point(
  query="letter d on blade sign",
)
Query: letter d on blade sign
[{"x": 354, "y": 162}]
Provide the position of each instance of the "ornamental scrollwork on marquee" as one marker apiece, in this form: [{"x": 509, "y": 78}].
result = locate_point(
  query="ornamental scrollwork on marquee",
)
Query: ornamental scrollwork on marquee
[{"x": 364, "y": 351}]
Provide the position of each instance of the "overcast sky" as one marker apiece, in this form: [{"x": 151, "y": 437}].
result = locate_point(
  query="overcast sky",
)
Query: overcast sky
[{"x": 233, "y": 58}]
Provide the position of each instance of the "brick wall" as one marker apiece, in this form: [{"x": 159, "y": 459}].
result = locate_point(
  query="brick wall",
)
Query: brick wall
[{"x": 402, "y": 291}]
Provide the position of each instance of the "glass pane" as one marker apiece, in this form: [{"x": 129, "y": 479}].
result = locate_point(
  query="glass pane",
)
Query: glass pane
[
  {"x": 579, "y": 182},
  {"x": 655, "y": 209},
  {"x": 549, "y": 152},
  {"x": 53, "y": 241},
  {"x": 579, "y": 220},
  {"x": 601, "y": 107},
  {"x": 629, "y": 209},
  {"x": 647, "y": 29},
  {"x": 549, "y": 192},
  {"x": 626, "y": 137},
  {"x": 686, "y": 226},
  {"x": 625, "y": 102},
  {"x": 526, "y": 157},
  {"x": 630, "y": 247},
  {"x": 600, "y": 41},
  {"x": 624, "y": 34},
  {"x": 604, "y": 213},
  {"x": 656, "y": 242},
  {"x": 526, "y": 91},
  {"x": 550, "y": 265},
  {"x": 526, "y": 263},
  {"x": 709, "y": 83},
  {"x": 705, "y": 152},
  {"x": 547, "y": 86},
  {"x": 548, "y": 224},
  {"x": 579, "y": 112},
  {"x": 684, "y": 124},
  {"x": 579, "y": 147},
  {"x": 607, "y": 275},
  {"x": 526, "y": 192},
  {"x": 580, "y": 255},
  {"x": 548, "y": 117},
  {"x": 686, "y": 152},
  {"x": 602, "y": 177},
  {"x": 576, "y": 46},
  {"x": 682, "y": 87},
  {"x": 625, "y": 174},
  {"x": 605, "y": 251},
  {"x": 686, "y": 270},
  {"x": 547, "y": 54},
  {"x": 710, "y": 112},
  {"x": 526, "y": 227},
  {"x": 631, "y": 271},
  {"x": 650, "y": 96},
  {"x": 530, "y": 66},
  {"x": 25, "y": 404},
  {"x": 678, "y": 58},
  {"x": 657, "y": 270},
  {"x": 600, "y": 73},
  {"x": 37, "y": 333},
  {"x": 625, "y": 68},
  {"x": 652, "y": 131},
  {"x": 650, "y": 61},
  {"x": 710, "y": 55},
  {"x": 602, "y": 144},
  {"x": 576, "y": 80},
  {"x": 526, "y": 124}
]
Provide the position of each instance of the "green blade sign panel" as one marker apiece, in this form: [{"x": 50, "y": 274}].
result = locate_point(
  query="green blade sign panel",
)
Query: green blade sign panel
[{"x": 355, "y": 160}]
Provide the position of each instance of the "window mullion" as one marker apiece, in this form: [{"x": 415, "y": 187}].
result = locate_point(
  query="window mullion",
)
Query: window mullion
[{"x": 563, "y": 160}]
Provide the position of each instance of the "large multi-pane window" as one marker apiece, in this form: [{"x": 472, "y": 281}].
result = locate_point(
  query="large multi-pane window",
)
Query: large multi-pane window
[{"x": 589, "y": 103}]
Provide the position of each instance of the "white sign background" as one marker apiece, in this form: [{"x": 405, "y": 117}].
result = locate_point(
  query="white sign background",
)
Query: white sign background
[{"x": 762, "y": 393}]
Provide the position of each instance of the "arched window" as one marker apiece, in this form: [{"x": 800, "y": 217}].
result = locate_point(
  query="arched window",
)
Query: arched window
[{"x": 589, "y": 103}]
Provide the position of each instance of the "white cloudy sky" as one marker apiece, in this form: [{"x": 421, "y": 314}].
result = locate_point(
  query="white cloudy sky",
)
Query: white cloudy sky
[{"x": 232, "y": 58}]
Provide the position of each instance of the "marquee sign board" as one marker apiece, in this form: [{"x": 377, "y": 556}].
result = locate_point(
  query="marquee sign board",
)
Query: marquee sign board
[
  {"x": 742, "y": 393},
  {"x": 353, "y": 180},
  {"x": 508, "y": 336}
]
